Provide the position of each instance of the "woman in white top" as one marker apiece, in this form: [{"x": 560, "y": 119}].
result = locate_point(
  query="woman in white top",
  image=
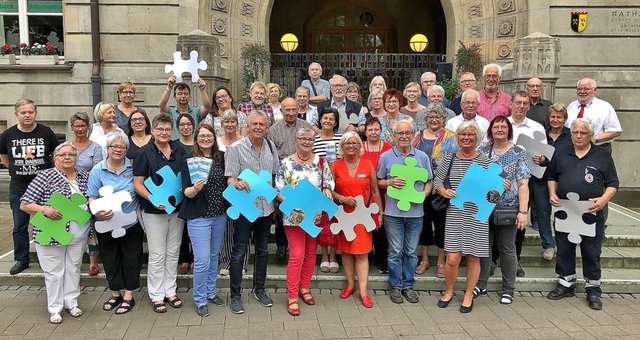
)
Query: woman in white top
[{"x": 105, "y": 125}]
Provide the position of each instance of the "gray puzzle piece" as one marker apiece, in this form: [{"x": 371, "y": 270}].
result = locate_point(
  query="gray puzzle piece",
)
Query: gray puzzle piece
[
  {"x": 574, "y": 222},
  {"x": 348, "y": 221},
  {"x": 535, "y": 146},
  {"x": 346, "y": 121}
]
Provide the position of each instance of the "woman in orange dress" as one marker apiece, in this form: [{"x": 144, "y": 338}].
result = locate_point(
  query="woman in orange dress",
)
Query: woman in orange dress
[{"x": 355, "y": 176}]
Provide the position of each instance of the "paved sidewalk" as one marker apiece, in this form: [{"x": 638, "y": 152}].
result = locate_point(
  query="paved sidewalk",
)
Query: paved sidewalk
[{"x": 23, "y": 315}]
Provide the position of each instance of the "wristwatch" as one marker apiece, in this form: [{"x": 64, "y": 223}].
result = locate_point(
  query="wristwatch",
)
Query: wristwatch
[
  {"x": 597, "y": 140},
  {"x": 523, "y": 212}
]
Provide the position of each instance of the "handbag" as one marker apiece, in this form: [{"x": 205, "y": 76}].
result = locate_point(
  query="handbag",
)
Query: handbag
[
  {"x": 504, "y": 216},
  {"x": 440, "y": 203},
  {"x": 325, "y": 237}
]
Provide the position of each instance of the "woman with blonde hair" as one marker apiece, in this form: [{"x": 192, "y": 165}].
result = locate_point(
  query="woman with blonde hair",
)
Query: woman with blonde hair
[
  {"x": 274, "y": 92},
  {"x": 412, "y": 93},
  {"x": 105, "y": 125}
]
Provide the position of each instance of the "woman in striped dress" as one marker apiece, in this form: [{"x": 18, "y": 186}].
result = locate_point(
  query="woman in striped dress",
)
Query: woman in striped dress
[{"x": 464, "y": 235}]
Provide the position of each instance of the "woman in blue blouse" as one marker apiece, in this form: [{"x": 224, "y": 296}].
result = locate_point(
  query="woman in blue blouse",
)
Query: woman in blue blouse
[{"x": 204, "y": 208}]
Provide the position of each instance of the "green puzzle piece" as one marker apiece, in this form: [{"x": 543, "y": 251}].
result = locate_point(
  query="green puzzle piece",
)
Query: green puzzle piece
[
  {"x": 411, "y": 174},
  {"x": 70, "y": 209}
]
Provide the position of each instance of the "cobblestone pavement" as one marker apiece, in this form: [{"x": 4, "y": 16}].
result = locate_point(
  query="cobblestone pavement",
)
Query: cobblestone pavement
[{"x": 23, "y": 314}]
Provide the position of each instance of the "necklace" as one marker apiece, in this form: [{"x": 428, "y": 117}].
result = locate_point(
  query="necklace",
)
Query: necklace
[
  {"x": 303, "y": 159},
  {"x": 353, "y": 166},
  {"x": 368, "y": 148}
]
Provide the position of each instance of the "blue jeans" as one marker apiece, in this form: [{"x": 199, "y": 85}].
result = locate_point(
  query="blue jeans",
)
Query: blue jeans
[
  {"x": 261, "y": 229},
  {"x": 403, "y": 234},
  {"x": 206, "y": 236},
  {"x": 20, "y": 229},
  {"x": 543, "y": 212}
]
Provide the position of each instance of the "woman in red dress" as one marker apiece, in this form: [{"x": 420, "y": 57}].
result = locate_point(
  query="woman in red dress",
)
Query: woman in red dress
[{"x": 355, "y": 176}]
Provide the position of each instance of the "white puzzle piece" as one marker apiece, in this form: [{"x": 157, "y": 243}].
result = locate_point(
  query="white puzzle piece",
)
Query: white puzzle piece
[
  {"x": 346, "y": 121},
  {"x": 190, "y": 65},
  {"x": 535, "y": 146},
  {"x": 348, "y": 221},
  {"x": 574, "y": 224},
  {"x": 113, "y": 201}
]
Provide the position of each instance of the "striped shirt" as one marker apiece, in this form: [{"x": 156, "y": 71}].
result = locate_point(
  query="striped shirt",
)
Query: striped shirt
[
  {"x": 320, "y": 145},
  {"x": 242, "y": 155},
  {"x": 45, "y": 184},
  {"x": 283, "y": 136}
]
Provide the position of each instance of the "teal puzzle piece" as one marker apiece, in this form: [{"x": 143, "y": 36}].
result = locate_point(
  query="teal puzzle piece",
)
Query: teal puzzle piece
[
  {"x": 475, "y": 185},
  {"x": 171, "y": 187},
  {"x": 411, "y": 174},
  {"x": 243, "y": 202},
  {"x": 311, "y": 201},
  {"x": 70, "y": 209}
]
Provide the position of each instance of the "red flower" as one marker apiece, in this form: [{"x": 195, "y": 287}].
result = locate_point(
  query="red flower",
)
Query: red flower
[
  {"x": 6, "y": 47},
  {"x": 50, "y": 47},
  {"x": 23, "y": 45}
]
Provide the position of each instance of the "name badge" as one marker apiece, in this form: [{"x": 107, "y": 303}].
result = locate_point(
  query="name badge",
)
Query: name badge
[{"x": 361, "y": 175}]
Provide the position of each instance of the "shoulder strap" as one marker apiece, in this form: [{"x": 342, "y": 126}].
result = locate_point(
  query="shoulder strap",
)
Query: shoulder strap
[
  {"x": 453, "y": 156},
  {"x": 313, "y": 87}
]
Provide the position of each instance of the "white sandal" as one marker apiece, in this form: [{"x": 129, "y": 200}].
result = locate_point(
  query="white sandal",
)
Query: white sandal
[
  {"x": 334, "y": 267},
  {"x": 55, "y": 318},
  {"x": 75, "y": 312},
  {"x": 324, "y": 266}
]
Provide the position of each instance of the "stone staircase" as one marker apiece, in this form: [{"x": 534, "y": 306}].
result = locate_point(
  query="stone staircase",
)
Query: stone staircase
[{"x": 620, "y": 266}]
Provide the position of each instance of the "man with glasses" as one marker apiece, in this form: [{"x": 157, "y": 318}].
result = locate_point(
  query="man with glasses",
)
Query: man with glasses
[
  {"x": 339, "y": 101},
  {"x": 493, "y": 101},
  {"x": 25, "y": 149},
  {"x": 539, "y": 107},
  {"x": 182, "y": 95},
  {"x": 469, "y": 102},
  {"x": 306, "y": 112},
  {"x": 467, "y": 81},
  {"x": 257, "y": 92},
  {"x": 590, "y": 172},
  {"x": 606, "y": 126},
  {"x": 402, "y": 227},
  {"x": 427, "y": 80}
]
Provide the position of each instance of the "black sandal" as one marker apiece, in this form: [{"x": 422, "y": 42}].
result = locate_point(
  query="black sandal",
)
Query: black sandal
[
  {"x": 124, "y": 309},
  {"x": 112, "y": 303},
  {"x": 159, "y": 307},
  {"x": 175, "y": 303}
]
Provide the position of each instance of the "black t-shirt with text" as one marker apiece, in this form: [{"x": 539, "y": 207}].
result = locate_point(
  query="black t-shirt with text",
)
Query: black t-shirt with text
[{"x": 29, "y": 153}]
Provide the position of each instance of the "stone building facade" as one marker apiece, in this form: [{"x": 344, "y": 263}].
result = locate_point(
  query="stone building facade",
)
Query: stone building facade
[{"x": 138, "y": 38}]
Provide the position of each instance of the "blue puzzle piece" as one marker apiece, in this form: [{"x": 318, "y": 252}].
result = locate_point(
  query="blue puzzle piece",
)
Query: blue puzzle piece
[
  {"x": 311, "y": 201},
  {"x": 70, "y": 209},
  {"x": 171, "y": 187},
  {"x": 475, "y": 185},
  {"x": 243, "y": 202}
]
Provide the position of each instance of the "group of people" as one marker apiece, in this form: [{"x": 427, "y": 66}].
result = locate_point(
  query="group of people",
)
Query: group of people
[{"x": 343, "y": 147}]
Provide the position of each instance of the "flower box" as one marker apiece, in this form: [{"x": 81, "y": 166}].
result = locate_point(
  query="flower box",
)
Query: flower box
[
  {"x": 8, "y": 59},
  {"x": 38, "y": 59}
]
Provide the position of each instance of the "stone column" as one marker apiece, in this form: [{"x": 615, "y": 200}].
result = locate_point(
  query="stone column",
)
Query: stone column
[
  {"x": 208, "y": 48},
  {"x": 537, "y": 55}
]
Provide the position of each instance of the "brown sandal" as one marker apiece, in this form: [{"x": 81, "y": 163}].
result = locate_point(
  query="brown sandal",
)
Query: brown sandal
[
  {"x": 307, "y": 298},
  {"x": 293, "y": 311}
]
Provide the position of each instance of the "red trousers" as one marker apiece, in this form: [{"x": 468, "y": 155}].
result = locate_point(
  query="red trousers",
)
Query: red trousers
[{"x": 302, "y": 260}]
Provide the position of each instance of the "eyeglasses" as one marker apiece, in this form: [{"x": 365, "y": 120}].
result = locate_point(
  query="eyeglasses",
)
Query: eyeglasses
[
  {"x": 118, "y": 147},
  {"x": 306, "y": 140},
  {"x": 580, "y": 133},
  {"x": 127, "y": 93},
  {"x": 584, "y": 89},
  {"x": 137, "y": 120},
  {"x": 469, "y": 103},
  {"x": 393, "y": 101},
  {"x": 376, "y": 99},
  {"x": 434, "y": 118},
  {"x": 338, "y": 85},
  {"x": 182, "y": 125},
  {"x": 468, "y": 135},
  {"x": 66, "y": 155},
  {"x": 467, "y": 81},
  {"x": 351, "y": 144},
  {"x": 492, "y": 76},
  {"x": 404, "y": 133},
  {"x": 222, "y": 97},
  {"x": 79, "y": 126},
  {"x": 161, "y": 130},
  {"x": 205, "y": 137}
]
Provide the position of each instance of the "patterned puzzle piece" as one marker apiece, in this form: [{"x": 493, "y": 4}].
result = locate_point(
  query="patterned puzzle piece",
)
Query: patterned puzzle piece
[
  {"x": 171, "y": 187},
  {"x": 411, "y": 174},
  {"x": 113, "y": 201},
  {"x": 475, "y": 185},
  {"x": 70, "y": 209},
  {"x": 347, "y": 119},
  {"x": 572, "y": 217},
  {"x": 348, "y": 221},
  {"x": 535, "y": 146},
  {"x": 310, "y": 200},
  {"x": 243, "y": 202},
  {"x": 190, "y": 65}
]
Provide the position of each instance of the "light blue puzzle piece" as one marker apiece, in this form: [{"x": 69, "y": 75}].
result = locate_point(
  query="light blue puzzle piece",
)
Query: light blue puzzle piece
[
  {"x": 171, "y": 186},
  {"x": 475, "y": 185},
  {"x": 243, "y": 202},
  {"x": 311, "y": 201}
]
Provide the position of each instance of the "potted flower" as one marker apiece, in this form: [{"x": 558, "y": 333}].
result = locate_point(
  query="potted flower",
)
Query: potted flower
[
  {"x": 7, "y": 55},
  {"x": 38, "y": 54}
]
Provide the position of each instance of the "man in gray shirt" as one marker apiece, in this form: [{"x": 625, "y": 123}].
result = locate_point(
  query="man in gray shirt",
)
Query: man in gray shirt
[{"x": 318, "y": 87}]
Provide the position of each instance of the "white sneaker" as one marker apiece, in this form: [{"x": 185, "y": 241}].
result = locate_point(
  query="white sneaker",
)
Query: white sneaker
[
  {"x": 549, "y": 253},
  {"x": 224, "y": 272}
]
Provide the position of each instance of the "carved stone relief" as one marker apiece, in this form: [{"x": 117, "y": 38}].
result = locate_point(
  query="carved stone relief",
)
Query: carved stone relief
[
  {"x": 504, "y": 51},
  {"x": 507, "y": 27},
  {"x": 475, "y": 11},
  {"x": 476, "y": 31},
  {"x": 506, "y": 6},
  {"x": 247, "y": 10},
  {"x": 220, "y": 5},
  {"x": 246, "y": 30},
  {"x": 219, "y": 26}
]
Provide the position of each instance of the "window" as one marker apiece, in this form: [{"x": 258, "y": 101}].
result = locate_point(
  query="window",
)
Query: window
[{"x": 31, "y": 22}]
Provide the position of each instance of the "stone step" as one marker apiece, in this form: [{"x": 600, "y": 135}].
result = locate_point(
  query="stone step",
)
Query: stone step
[{"x": 537, "y": 279}]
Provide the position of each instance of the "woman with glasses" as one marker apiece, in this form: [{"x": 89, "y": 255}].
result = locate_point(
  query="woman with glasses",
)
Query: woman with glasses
[
  {"x": 121, "y": 256},
  {"x": 377, "y": 83},
  {"x": 353, "y": 92},
  {"x": 204, "y": 209},
  {"x": 105, "y": 125},
  {"x": 223, "y": 101},
  {"x": 355, "y": 176},
  {"x": 376, "y": 110},
  {"x": 303, "y": 164},
  {"x": 186, "y": 125},
  {"x": 139, "y": 133},
  {"x": 412, "y": 93},
  {"x": 393, "y": 100},
  {"x": 125, "y": 108},
  {"x": 60, "y": 263},
  {"x": 435, "y": 141},
  {"x": 89, "y": 154},
  {"x": 164, "y": 229}
]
